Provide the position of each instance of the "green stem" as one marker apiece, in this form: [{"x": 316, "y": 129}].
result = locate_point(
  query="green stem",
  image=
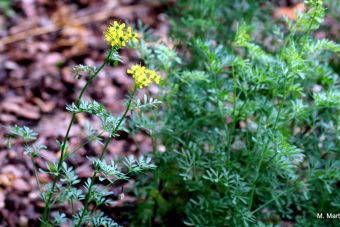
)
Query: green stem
[
  {"x": 83, "y": 144},
  {"x": 267, "y": 143},
  {"x": 271, "y": 200},
  {"x": 256, "y": 177},
  {"x": 35, "y": 173},
  {"x": 285, "y": 93},
  {"x": 36, "y": 176},
  {"x": 48, "y": 205},
  {"x": 88, "y": 195},
  {"x": 229, "y": 139},
  {"x": 278, "y": 115},
  {"x": 308, "y": 33}
]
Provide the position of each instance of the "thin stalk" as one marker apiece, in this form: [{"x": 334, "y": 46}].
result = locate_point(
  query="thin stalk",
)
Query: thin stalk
[
  {"x": 283, "y": 101},
  {"x": 234, "y": 115},
  {"x": 159, "y": 182},
  {"x": 229, "y": 139},
  {"x": 35, "y": 173},
  {"x": 256, "y": 177},
  {"x": 285, "y": 93},
  {"x": 83, "y": 144},
  {"x": 271, "y": 200},
  {"x": 308, "y": 33},
  {"x": 95, "y": 208},
  {"x": 112, "y": 182},
  {"x": 267, "y": 143},
  {"x": 88, "y": 195},
  {"x": 278, "y": 113},
  {"x": 48, "y": 205},
  {"x": 154, "y": 144},
  {"x": 72, "y": 207},
  {"x": 220, "y": 111},
  {"x": 274, "y": 127},
  {"x": 36, "y": 176}
]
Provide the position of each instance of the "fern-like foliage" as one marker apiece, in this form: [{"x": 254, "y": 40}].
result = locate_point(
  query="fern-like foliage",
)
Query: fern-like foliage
[{"x": 109, "y": 122}]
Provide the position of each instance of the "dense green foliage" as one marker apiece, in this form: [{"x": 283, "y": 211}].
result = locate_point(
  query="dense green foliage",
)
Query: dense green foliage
[{"x": 251, "y": 128}]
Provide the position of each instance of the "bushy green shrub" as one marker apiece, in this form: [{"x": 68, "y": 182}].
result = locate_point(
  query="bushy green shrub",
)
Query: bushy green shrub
[{"x": 251, "y": 133}]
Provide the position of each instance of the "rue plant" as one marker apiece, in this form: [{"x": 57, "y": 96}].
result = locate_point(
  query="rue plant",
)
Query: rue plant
[
  {"x": 250, "y": 127},
  {"x": 66, "y": 186}
]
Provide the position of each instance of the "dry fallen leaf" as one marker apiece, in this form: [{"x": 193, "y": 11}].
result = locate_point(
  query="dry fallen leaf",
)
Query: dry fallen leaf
[
  {"x": 290, "y": 12},
  {"x": 22, "y": 110},
  {"x": 21, "y": 185},
  {"x": 2, "y": 200}
]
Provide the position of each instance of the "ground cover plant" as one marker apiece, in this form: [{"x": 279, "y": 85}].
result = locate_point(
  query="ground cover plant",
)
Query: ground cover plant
[
  {"x": 66, "y": 187},
  {"x": 251, "y": 130},
  {"x": 244, "y": 130}
]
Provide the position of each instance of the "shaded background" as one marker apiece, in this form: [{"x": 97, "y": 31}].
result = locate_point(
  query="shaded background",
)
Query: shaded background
[{"x": 40, "y": 42}]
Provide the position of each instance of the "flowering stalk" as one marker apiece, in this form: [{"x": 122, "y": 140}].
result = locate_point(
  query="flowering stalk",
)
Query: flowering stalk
[
  {"x": 143, "y": 77},
  {"x": 63, "y": 146},
  {"x": 65, "y": 179},
  {"x": 88, "y": 195},
  {"x": 117, "y": 35}
]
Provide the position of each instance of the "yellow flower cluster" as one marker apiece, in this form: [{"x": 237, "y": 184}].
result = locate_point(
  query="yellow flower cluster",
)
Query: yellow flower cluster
[
  {"x": 117, "y": 35},
  {"x": 143, "y": 76}
]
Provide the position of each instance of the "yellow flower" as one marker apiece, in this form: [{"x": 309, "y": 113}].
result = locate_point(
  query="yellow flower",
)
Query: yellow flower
[
  {"x": 143, "y": 77},
  {"x": 117, "y": 35}
]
